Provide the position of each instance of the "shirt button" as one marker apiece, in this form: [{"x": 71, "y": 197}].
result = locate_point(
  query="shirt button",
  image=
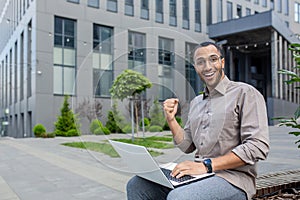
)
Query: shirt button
[
  {"x": 201, "y": 143},
  {"x": 204, "y": 126}
]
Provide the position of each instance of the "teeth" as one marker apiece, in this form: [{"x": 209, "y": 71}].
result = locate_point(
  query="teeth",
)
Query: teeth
[{"x": 209, "y": 74}]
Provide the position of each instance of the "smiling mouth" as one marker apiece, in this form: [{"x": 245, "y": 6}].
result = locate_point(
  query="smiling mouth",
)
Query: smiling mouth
[{"x": 208, "y": 75}]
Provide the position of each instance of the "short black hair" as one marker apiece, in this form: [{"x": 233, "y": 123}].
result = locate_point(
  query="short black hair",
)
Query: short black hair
[{"x": 204, "y": 44}]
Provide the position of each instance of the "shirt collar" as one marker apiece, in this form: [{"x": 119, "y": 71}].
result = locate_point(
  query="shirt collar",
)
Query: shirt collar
[{"x": 220, "y": 88}]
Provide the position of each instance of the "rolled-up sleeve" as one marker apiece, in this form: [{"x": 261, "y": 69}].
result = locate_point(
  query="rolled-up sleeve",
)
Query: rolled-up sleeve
[
  {"x": 187, "y": 145},
  {"x": 254, "y": 130}
]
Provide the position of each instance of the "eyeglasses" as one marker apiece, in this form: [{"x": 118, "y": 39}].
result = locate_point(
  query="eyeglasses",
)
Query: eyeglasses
[{"x": 213, "y": 59}]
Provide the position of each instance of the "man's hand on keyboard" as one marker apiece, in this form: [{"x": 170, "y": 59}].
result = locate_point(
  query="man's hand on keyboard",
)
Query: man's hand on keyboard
[{"x": 188, "y": 168}]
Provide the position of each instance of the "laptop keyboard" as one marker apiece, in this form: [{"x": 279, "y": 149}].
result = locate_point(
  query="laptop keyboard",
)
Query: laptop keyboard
[{"x": 167, "y": 173}]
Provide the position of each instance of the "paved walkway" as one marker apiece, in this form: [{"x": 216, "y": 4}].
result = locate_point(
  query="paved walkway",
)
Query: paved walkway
[{"x": 35, "y": 168}]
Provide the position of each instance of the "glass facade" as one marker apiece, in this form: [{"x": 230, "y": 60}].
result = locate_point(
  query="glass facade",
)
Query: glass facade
[
  {"x": 64, "y": 56},
  {"x": 129, "y": 8},
  {"x": 165, "y": 67},
  {"x": 137, "y": 52},
  {"x": 102, "y": 60},
  {"x": 229, "y": 10},
  {"x": 219, "y": 10},
  {"x": 93, "y": 3},
  {"x": 185, "y": 14},
  {"x": 159, "y": 11},
  {"x": 198, "y": 15},
  {"x": 297, "y": 12},
  {"x": 145, "y": 9},
  {"x": 190, "y": 72},
  {"x": 173, "y": 13},
  {"x": 112, "y": 5}
]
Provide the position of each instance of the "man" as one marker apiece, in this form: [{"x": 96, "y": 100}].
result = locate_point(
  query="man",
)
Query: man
[{"x": 227, "y": 127}]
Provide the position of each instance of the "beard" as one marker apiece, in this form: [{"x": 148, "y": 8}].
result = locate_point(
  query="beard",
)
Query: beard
[{"x": 212, "y": 82}]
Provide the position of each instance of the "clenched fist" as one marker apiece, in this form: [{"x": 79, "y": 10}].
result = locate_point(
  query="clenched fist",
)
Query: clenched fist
[{"x": 170, "y": 108}]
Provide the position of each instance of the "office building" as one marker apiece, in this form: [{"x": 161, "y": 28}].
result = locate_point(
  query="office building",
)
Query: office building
[{"x": 52, "y": 48}]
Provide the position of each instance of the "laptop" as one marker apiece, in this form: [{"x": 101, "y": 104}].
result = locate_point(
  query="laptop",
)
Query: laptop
[{"x": 142, "y": 164}]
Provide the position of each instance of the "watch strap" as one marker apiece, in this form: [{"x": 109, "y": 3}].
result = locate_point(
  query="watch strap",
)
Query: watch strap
[{"x": 207, "y": 164}]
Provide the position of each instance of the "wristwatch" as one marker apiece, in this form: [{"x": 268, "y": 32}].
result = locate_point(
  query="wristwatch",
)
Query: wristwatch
[{"x": 207, "y": 164}]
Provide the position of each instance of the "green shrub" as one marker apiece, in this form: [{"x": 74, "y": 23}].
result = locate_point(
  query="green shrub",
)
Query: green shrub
[
  {"x": 114, "y": 122},
  {"x": 101, "y": 131},
  {"x": 97, "y": 128},
  {"x": 38, "y": 130},
  {"x": 127, "y": 129},
  {"x": 73, "y": 132},
  {"x": 94, "y": 125},
  {"x": 155, "y": 128},
  {"x": 66, "y": 121},
  {"x": 146, "y": 122},
  {"x": 105, "y": 130},
  {"x": 48, "y": 135},
  {"x": 98, "y": 131}
]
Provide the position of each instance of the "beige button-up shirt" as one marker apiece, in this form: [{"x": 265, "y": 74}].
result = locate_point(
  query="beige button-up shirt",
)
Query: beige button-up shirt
[{"x": 232, "y": 117}]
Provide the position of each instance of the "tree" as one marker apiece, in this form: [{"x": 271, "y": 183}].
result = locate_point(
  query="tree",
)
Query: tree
[
  {"x": 66, "y": 124},
  {"x": 293, "y": 121},
  {"x": 90, "y": 110},
  {"x": 128, "y": 85},
  {"x": 115, "y": 121}
]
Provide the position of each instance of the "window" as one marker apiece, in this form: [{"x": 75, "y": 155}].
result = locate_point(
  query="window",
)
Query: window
[
  {"x": 279, "y": 6},
  {"x": 165, "y": 67},
  {"x": 10, "y": 77},
  {"x": 73, "y": 1},
  {"x": 198, "y": 15},
  {"x": 129, "y": 9},
  {"x": 93, "y": 3},
  {"x": 248, "y": 11},
  {"x": 239, "y": 11},
  {"x": 192, "y": 84},
  {"x": 159, "y": 10},
  {"x": 272, "y": 4},
  {"x": 112, "y": 5},
  {"x": 264, "y": 3},
  {"x": 297, "y": 12},
  {"x": 144, "y": 9},
  {"x": 286, "y": 7},
  {"x": 24, "y": 7},
  {"x": 16, "y": 69},
  {"x": 22, "y": 64},
  {"x": 173, "y": 14},
  {"x": 102, "y": 60},
  {"x": 6, "y": 71},
  {"x": 64, "y": 56},
  {"x": 229, "y": 10},
  {"x": 137, "y": 52},
  {"x": 256, "y": 1},
  {"x": 185, "y": 14},
  {"x": 29, "y": 56},
  {"x": 219, "y": 10},
  {"x": 2, "y": 84}
]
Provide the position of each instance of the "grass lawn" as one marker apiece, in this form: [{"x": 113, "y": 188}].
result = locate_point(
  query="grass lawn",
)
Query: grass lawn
[
  {"x": 151, "y": 142},
  {"x": 94, "y": 146},
  {"x": 154, "y": 142}
]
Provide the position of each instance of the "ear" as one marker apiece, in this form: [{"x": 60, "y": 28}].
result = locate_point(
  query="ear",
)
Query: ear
[{"x": 223, "y": 63}]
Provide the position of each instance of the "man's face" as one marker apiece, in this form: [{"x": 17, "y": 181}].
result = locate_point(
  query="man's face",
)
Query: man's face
[{"x": 208, "y": 64}]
